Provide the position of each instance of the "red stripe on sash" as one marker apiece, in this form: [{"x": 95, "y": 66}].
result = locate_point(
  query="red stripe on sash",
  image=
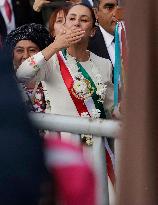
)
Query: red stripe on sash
[
  {"x": 110, "y": 169},
  {"x": 81, "y": 107},
  {"x": 68, "y": 80}
]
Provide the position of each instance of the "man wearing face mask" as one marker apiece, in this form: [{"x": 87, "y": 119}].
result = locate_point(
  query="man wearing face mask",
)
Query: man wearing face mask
[{"x": 102, "y": 44}]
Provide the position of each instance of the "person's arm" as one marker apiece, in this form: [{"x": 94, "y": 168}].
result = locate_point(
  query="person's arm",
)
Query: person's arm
[
  {"x": 38, "y": 4},
  {"x": 64, "y": 39},
  {"x": 34, "y": 67},
  {"x": 37, "y": 66}
]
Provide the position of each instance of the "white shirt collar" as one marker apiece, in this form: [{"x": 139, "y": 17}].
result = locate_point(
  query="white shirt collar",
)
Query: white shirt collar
[{"x": 108, "y": 38}]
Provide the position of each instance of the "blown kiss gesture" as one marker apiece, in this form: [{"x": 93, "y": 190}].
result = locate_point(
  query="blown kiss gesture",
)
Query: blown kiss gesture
[{"x": 64, "y": 39}]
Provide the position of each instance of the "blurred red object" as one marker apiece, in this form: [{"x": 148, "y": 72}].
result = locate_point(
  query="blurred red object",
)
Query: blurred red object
[{"x": 75, "y": 181}]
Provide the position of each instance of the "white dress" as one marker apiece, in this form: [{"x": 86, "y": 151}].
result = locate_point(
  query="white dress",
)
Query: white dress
[
  {"x": 62, "y": 104},
  {"x": 49, "y": 71}
]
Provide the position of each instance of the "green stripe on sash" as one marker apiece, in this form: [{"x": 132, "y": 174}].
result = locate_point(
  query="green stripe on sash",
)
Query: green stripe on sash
[{"x": 95, "y": 97}]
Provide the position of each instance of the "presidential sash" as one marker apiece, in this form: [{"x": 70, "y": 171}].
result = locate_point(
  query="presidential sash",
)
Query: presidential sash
[{"x": 85, "y": 105}]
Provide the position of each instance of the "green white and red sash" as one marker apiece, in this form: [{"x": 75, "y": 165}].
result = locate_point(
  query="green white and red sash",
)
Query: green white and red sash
[
  {"x": 85, "y": 105},
  {"x": 94, "y": 99},
  {"x": 68, "y": 80}
]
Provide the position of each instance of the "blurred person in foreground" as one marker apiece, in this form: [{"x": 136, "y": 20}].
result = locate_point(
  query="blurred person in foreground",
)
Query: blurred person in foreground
[{"x": 22, "y": 163}]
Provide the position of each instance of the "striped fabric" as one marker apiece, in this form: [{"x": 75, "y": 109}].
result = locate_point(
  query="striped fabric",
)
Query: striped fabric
[{"x": 75, "y": 182}]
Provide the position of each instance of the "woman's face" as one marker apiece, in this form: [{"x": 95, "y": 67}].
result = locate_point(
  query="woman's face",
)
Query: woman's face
[
  {"x": 23, "y": 50},
  {"x": 60, "y": 20},
  {"x": 80, "y": 16}
]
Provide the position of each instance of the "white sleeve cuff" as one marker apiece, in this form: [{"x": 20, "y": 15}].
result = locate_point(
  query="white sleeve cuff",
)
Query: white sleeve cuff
[{"x": 30, "y": 67}]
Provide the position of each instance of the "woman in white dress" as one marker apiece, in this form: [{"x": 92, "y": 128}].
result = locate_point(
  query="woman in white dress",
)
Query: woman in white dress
[{"x": 77, "y": 81}]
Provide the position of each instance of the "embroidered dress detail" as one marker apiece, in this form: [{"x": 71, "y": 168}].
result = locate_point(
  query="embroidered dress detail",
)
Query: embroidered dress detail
[
  {"x": 32, "y": 62},
  {"x": 37, "y": 97},
  {"x": 48, "y": 107}
]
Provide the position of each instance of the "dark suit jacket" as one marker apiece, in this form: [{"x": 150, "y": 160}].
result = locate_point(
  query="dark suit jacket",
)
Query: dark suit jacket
[
  {"x": 97, "y": 45},
  {"x": 21, "y": 152},
  {"x": 23, "y": 14}
]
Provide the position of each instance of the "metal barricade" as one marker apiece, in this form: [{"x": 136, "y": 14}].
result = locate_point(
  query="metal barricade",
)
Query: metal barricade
[{"x": 78, "y": 125}]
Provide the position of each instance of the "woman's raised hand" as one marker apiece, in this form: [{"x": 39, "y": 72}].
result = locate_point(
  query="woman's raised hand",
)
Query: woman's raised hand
[
  {"x": 66, "y": 37},
  {"x": 38, "y": 4}
]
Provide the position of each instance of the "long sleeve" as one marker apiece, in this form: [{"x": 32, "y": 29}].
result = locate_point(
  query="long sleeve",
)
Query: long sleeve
[{"x": 34, "y": 67}]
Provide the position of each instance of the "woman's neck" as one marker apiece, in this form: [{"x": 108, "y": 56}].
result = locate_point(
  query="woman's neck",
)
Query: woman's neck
[{"x": 79, "y": 52}]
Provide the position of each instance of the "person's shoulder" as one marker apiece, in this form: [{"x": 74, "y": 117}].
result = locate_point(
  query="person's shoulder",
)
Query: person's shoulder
[
  {"x": 99, "y": 59},
  {"x": 103, "y": 65}
]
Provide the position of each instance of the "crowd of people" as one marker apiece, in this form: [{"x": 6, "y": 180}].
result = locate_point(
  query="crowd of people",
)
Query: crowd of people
[{"x": 65, "y": 67}]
